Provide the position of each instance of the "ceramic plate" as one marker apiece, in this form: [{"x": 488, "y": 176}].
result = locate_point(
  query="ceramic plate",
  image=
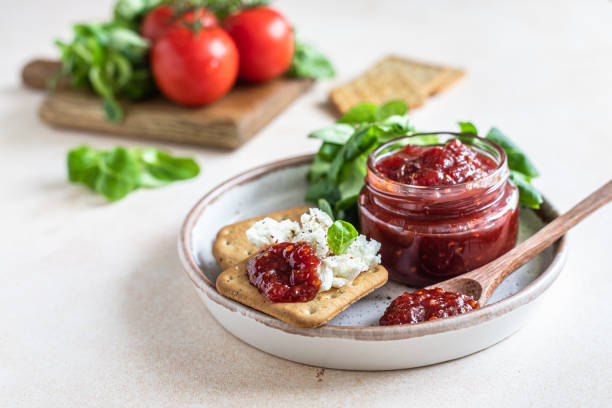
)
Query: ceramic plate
[{"x": 352, "y": 340}]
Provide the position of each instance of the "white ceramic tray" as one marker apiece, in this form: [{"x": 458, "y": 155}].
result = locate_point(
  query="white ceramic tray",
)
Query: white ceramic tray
[{"x": 352, "y": 340}]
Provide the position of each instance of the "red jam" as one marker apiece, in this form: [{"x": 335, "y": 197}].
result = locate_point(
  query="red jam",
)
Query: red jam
[
  {"x": 433, "y": 232},
  {"x": 452, "y": 163},
  {"x": 286, "y": 272},
  {"x": 426, "y": 304}
]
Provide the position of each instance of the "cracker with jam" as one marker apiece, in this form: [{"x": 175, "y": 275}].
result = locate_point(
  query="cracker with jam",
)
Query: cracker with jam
[{"x": 232, "y": 246}]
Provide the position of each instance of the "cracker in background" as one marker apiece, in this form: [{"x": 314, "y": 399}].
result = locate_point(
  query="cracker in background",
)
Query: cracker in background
[
  {"x": 395, "y": 78},
  {"x": 234, "y": 283},
  {"x": 231, "y": 245},
  {"x": 383, "y": 82}
]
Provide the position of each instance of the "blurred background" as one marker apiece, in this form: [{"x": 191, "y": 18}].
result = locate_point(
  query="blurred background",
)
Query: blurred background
[{"x": 96, "y": 310}]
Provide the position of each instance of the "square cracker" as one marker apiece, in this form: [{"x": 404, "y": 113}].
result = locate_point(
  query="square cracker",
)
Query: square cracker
[
  {"x": 430, "y": 78},
  {"x": 230, "y": 250},
  {"x": 395, "y": 78},
  {"x": 381, "y": 83},
  {"x": 231, "y": 245},
  {"x": 234, "y": 283}
]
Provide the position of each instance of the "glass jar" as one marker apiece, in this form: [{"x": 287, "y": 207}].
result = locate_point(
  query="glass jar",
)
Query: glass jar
[{"x": 432, "y": 233}]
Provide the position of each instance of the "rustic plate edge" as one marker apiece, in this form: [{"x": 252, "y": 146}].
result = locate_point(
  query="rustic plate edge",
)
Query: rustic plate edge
[{"x": 367, "y": 333}]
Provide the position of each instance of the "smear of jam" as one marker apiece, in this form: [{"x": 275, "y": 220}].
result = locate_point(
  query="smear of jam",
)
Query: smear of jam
[
  {"x": 426, "y": 304},
  {"x": 452, "y": 163},
  {"x": 286, "y": 272}
]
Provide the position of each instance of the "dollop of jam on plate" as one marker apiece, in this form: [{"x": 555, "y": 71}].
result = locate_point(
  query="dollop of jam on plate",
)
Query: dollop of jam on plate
[{"x": 426, "y": 304}]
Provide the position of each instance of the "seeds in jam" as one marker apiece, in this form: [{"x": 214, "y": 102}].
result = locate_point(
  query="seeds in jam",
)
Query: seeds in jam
[
  {"x": 426, "y": 304},
  {"x": 452, "y": 163},
  {"x": 286, "y": 272}
]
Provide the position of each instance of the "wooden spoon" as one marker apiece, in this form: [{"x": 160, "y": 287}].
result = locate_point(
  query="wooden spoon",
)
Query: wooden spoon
[{"x": 480, "y": 283}]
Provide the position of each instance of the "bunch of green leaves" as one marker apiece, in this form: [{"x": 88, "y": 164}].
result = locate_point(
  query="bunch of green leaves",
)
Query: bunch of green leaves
[
  {"x": 308, "y": 62},
  {"x": 116, "y": 173},
  {"x": 522, "y": 170},
  {"x": 111, "y": 59},
  {"x": 337, "y": 173}
]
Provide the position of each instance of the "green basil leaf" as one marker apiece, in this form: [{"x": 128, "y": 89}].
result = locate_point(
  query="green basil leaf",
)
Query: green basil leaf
[
  {"x": 529, "y": 196},
  {"x": 128, "y": 42},
  {"x": 318, "y": 169},
  {"x": 328, "y": 151},
  {"x": 129, "y": 12},
  {"x": 362, "y": 113},
  {"x": 83, "y": 165},
  {"x": 391, "y": 108},
  {"x": 467, "y": 127},
  {"x": 116, "y": 173},
  {"x": 517, "y": 160},
  {"x": 340, "y": 235},
  {"x": 119, "y": 174},
  {"x": 308, "y": 62},
  {"x": 324, "y": 206},
  {"x": 322, "y": 188},
  {"x": 336, "y": 134},
  {"x": 359, "y": 142}
]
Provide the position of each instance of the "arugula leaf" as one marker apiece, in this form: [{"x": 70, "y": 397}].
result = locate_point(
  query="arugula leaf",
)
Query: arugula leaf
[
  {"x": 340, "y": 235},
  {"x": 308, "y": 62},
  {"x": 117, "y": 172},
  {"x": 324, "y": 206},
  {"x": 467, "y": 127},
  {"x": 363, "y": 113}
]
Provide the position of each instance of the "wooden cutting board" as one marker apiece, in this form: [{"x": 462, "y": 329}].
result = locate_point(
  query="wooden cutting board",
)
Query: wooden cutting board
[{"x": 227, "y": 123}]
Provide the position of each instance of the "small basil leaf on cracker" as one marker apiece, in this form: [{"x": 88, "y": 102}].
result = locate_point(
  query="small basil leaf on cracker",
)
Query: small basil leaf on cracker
[{"x": 340, "y": 235}]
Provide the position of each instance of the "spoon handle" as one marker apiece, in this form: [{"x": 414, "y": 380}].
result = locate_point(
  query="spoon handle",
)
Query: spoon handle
[{"x": 491, "y": 275}]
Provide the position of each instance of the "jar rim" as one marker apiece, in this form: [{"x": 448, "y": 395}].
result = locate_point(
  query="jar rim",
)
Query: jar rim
[{"x": 499, "y": 175}]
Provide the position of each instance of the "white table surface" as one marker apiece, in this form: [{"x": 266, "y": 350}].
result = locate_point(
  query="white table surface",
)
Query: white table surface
[{"x": 95, "y": 310}]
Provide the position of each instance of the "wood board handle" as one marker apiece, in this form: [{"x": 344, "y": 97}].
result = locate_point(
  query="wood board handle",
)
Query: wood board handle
[{"x": 37, "y": 73}]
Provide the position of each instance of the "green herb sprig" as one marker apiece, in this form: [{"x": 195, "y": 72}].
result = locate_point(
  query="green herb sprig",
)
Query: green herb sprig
[
  {"x": 338, "y": 171},
  {"x": 117, "y": 172},
  {"x": 111, "y": 60},
  {"x": 522, "y": 170}
]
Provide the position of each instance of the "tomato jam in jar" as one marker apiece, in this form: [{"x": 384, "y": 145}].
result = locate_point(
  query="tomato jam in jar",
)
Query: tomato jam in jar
[{"x": 440, "y": 205}]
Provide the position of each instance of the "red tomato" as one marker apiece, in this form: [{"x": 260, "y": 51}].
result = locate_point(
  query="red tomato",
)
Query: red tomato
[
  {"x": 194, "y": 68},
  {"x": 163, "y": 17},
  {"x": 265, "y": 42}
]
